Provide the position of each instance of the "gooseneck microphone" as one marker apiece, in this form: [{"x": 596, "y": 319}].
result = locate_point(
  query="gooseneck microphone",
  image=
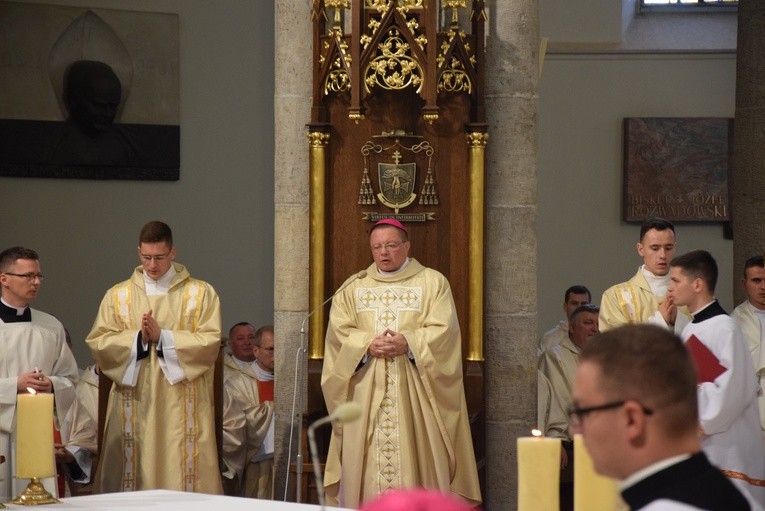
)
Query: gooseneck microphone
[
  {"x": 297, "y": 410},
  {"x": 359, "y": 275},
  {"x": 346, "y": 412}
]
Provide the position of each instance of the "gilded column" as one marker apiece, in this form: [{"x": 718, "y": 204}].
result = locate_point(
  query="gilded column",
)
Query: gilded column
[
  {"x": 318, "y": 141},
  {"x": 477, "y": 161}
]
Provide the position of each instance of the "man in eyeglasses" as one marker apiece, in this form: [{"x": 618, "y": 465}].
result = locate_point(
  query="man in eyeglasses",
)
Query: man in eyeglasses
[
  {"x": 249, "y": 379},
  {"x": 157, "y": 336},
  {"x": 393, "y": 346},
  {"x": 727, "y": 387},
  {"x": 635, "y": 405},
  {"x": 34, "y": 356}
]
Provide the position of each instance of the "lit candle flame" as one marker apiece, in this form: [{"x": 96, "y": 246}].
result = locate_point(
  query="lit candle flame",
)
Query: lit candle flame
[
  {"x": 536, "y": 433},
  {"x": 31, "y": 390}
]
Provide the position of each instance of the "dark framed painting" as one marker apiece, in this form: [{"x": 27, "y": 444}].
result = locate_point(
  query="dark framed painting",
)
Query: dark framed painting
[
  {"x": 677, "y": 168},
  {"x": 88, "y": 93}
]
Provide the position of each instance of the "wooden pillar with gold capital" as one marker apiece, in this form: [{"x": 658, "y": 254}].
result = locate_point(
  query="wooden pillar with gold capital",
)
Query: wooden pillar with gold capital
[
  {"x": 318, "y": 139},
  {"x": 477, "y": 141}
]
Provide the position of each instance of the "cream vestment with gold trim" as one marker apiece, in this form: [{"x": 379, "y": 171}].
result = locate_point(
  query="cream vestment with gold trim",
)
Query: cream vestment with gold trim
[
  {"x": 159, "y": 434},
  {"x": 414, "y": 429}
]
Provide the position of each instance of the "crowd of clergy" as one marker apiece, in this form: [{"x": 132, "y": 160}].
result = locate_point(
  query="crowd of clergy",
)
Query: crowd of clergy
[
  {"x": 393, "y": 347},
  {"x": 157, "y": 336},
  {"x": 160, "y": 430},
  {"x": 674, "y": 292}
]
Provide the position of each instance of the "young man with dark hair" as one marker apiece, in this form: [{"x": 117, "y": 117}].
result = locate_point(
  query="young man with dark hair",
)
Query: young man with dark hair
[
  {"x": 727, "y": 388},
  {"x": 643, "y": 298},
  {"x": 635, "y": 405},
  {"x": 750, "y": 316},
  {"x": 157, "y": 337}
]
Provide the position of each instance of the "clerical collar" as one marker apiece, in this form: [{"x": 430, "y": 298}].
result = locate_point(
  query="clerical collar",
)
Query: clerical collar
[
  {"x": 651, "y": 470},
  {"x": 19, "y": 310},
  {"x": 708, "y": 311},
  {"x": 11, "y": 314},
  {"x": 395, "y": 272},
  {"x": 657, "y": 283},
  {"x": 262, "y": 374},
  {"x": 160, "y": 286}
]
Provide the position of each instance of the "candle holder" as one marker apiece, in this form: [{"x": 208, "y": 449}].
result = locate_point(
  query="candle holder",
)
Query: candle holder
[
  {"x": 35, "y": 494},
  {"x": 2, "y": 460}
]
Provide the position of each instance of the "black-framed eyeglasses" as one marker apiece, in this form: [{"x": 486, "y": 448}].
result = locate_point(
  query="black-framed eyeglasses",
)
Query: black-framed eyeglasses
[
  {"x": 27, "y": 276},
  {"x": 576, "y": 415}
]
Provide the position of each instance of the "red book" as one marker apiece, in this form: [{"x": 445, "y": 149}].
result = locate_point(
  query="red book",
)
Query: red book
[
  {"x": 266, "y": 390},
  {"x": 707, "y": 365}
]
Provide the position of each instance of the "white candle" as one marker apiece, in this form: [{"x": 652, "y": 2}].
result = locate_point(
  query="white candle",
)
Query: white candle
[
  {"x": 34, "y": 436},
  {"x": 592, "y": 491},
  {"x": 538, "y": 473}
]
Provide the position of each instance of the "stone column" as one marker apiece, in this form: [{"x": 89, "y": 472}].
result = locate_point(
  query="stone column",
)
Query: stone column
[
  {"x": 511, "y": 256},
  {"x": 748, "y": 171},
  {"x": 292, "y": 104}
]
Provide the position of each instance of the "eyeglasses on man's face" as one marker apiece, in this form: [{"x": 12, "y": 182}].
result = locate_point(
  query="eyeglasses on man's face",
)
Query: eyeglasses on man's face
[
  {"x": 156, "y": 258},
  {"x": 576, "y": 415},
  {"x": 29, "y": 277},
  {"x": 387, "y": 246}
]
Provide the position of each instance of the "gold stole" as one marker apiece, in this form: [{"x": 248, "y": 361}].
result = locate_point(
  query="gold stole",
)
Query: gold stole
[{"x": 190, "y": 311}]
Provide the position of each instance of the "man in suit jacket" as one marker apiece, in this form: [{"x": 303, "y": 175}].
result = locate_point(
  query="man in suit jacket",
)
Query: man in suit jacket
[{"x": 634, "y": 402}]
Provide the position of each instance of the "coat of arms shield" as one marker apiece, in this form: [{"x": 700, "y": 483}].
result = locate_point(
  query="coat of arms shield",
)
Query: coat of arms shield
[{"x": 397, "y": 184}]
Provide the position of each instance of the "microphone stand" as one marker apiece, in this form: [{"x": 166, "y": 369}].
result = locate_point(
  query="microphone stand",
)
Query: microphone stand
[
  {"x": 303, "y": 350},
  {"x": 315, "y": 458},
  {"x": 346, "y": 412},
  {"x": 297, "y": 416}
]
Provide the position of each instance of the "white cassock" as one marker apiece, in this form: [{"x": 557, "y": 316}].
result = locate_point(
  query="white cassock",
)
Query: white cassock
[
  {"x": 24, "y": 346},
  {"x": 728, "y": 409},
  {"x": 751, "y": 320}
]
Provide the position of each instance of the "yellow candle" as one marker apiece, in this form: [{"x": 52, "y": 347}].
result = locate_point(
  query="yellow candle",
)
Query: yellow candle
[
  {"x": 592, "y": 491},
  {"x": 538, "y": 474},
  {"x": 34, "y": 436}
]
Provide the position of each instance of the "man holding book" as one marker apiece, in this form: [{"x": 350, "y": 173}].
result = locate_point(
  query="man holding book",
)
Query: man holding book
[{"x": 727, "y": 388}]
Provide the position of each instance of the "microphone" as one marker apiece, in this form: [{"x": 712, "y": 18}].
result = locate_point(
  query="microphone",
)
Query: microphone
[
  {"x": 359, "y": 275},
  {"x": 346, "y": 412},
  {"x": 298, "y": 416}
]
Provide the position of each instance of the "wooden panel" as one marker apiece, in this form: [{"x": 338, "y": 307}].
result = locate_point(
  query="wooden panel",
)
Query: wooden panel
[
  {"x": 444, "y": 243},
  {"x": 439, "y": 244}
]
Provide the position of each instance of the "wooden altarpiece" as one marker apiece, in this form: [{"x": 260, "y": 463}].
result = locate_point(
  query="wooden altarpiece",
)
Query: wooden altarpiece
[{"x": 398, "y": 130}]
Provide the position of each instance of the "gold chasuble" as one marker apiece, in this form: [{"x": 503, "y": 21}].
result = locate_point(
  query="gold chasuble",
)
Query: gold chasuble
[
  {"x": 414, "y": 429},
  {"x": 159, "y": 434}
]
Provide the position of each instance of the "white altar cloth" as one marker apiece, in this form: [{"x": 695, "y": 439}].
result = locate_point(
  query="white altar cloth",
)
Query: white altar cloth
[{"x": 166, "y": 500}]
